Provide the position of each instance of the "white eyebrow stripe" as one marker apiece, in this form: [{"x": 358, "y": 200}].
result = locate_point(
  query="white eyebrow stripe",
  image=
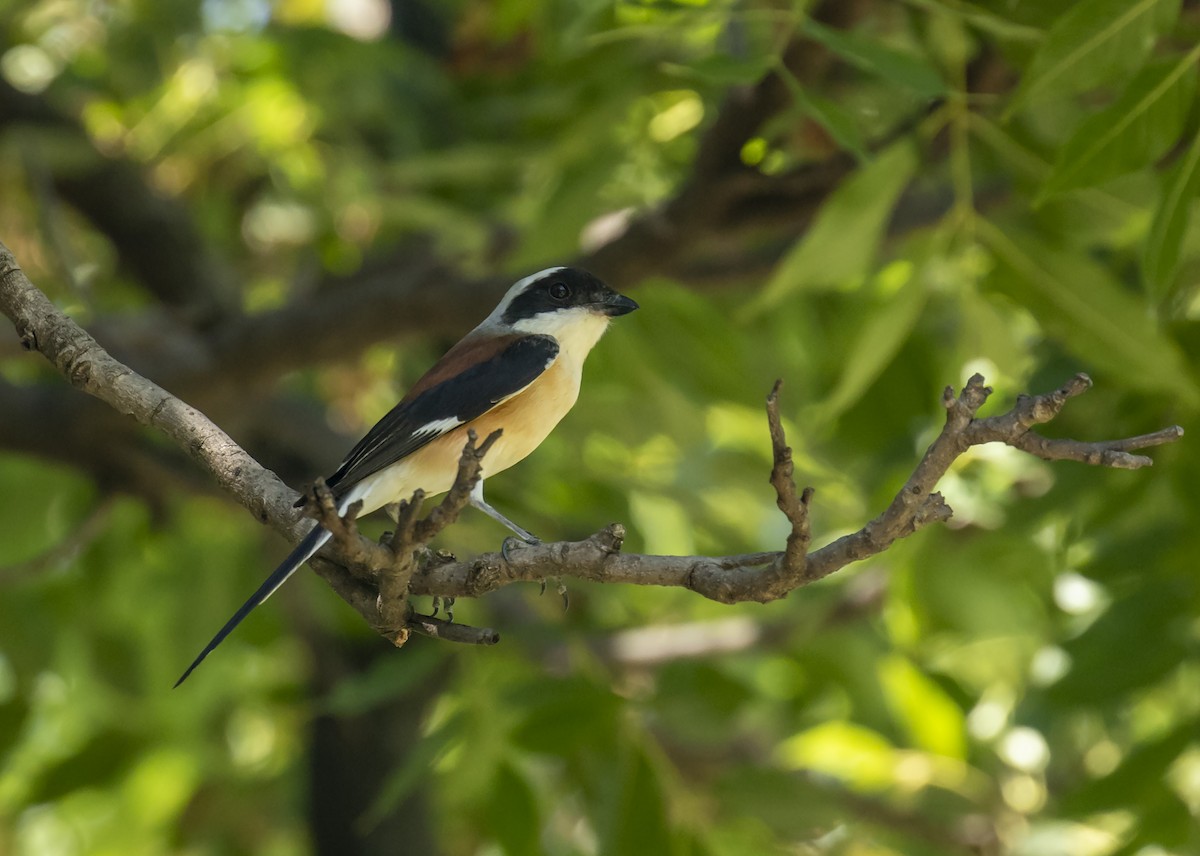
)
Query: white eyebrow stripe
[{"x": 517, "y": 287}]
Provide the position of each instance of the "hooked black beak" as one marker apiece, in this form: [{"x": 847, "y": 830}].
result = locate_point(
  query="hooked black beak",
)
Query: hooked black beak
[{"x": 618, "y": 304}]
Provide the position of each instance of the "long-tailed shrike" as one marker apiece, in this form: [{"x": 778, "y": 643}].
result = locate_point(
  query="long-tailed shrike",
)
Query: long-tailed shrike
[{"x": 518, "y": 370}]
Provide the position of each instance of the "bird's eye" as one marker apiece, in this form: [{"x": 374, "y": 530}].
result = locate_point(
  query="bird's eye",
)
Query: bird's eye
[{"x": 559, "y": 290}]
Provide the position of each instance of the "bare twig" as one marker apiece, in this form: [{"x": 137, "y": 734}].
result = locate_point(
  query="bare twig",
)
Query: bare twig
[
  {"x": 1013, "y": 428},
  {"x": 728, "y": 579},
  {"x": 763, "y": 576},
  {"x": 470, "y": 471},
  {"x": 436, "y": 628},
  {"x": 411, "y": 536},
  {"x": 795, "y": 508}
]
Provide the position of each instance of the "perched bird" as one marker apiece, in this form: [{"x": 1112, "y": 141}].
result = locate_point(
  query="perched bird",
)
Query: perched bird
[{"x": 519, "y": 370}]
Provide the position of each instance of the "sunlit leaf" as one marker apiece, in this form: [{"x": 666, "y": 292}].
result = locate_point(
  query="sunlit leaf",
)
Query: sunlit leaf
[
  {"x": 926, "y": 713},
  {"x": 1094, "y": 42},
  {"x": 1141, "y": 125},
  {"x": 859, "y": 756},
  {"x": 839, "y": 247},
  {"x": 664, "y": 524}
]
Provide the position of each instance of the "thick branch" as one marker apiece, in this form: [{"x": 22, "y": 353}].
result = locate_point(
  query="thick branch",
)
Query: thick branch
[{"x": 81, "y": 360}]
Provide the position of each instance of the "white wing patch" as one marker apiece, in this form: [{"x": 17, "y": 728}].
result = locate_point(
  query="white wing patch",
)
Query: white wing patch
[{"x": 439, "y": 426}]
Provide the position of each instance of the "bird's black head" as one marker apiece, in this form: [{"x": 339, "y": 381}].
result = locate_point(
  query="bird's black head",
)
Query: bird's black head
[{"x": 559, "y": 289}]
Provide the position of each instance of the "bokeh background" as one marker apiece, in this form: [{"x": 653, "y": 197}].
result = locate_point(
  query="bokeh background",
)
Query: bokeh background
[{"x": 284, "y": 210}]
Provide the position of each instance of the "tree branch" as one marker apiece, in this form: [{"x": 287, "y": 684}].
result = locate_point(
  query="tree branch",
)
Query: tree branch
[
  {"x": 87, "y": 366},
  {"x": 377, "y": 580},
  {"x": 765, "y": 577}
]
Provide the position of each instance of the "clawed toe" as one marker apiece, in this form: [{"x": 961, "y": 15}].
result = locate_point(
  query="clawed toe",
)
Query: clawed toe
[
  {"x": 512, "y": 541},
  {"x": 560, "y": 587},
  {"x": 446, "y": 603}
]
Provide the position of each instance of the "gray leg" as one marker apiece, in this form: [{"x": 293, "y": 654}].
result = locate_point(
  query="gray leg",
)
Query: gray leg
[{"x": 477, "y": 501}]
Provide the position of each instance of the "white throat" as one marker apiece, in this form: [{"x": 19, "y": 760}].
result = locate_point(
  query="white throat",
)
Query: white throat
[{"x": 577, "y": 330}]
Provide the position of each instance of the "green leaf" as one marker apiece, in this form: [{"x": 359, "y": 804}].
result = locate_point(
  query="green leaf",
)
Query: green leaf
[
  {"x": 1138, "y": 778},
  {"x": 885, "y": 327},
  {"x": 839, "y": 247},
  {"x": 722, "y": 69},
  {"x": 901, "y": 67},
  {"x": 1161, "y": 256},
  {"x": 384, "y": 680},
  {"x": 1168, "y": 823},
  {"x": 638, "y": 821},
  {"x": 1096, "y": 41},
  {"x": 926, "y": 713},
  {"x": 1103, "y": 667},
  {"x": 1081, "y": 304},
  {"x": 835, "y": 119},
  {"x": 411, "y": 772},
  {"x": 1138, "y": 128},
  {"x": 513, "y": 813},
  {"x": 853, "y": 753},
  {"x": 565, "y": 713}
]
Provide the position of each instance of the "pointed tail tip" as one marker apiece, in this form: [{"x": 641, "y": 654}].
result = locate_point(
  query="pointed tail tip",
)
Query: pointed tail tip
[{"x": 192, "y": 667}]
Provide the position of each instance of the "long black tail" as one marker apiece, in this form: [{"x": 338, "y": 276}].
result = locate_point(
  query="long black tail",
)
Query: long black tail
[{"x": 303, "y": 552}]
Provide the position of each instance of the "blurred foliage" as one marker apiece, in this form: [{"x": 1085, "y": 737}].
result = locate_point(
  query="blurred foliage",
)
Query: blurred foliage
[{"x": 1025, "y": 681}]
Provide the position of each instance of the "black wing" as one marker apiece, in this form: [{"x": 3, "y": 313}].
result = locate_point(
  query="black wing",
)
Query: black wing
[{"x": 443, "y": 407}]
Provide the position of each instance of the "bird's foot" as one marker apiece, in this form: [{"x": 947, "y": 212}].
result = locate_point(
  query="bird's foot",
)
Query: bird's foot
[
  {"x": 512, "y": 541},
  {"x": 446, "y": 603},
  {"x": 427, "y": 558},
  {"x": 560, "y": 587}
]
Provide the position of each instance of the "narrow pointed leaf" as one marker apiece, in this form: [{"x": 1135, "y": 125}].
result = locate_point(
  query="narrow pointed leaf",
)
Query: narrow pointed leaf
[
  {"x": 885, "y": 327},
  {"x": 900, "y": 67},
  {"x": 835, "y": 119},
  {"x": 1163, "y": 246},
  {"x": 1137, "y": 129},
  {"x": 1095, "y": 42},
  {"x": 1089, "y": 312},
  {"x": 840, "y": 245}
]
